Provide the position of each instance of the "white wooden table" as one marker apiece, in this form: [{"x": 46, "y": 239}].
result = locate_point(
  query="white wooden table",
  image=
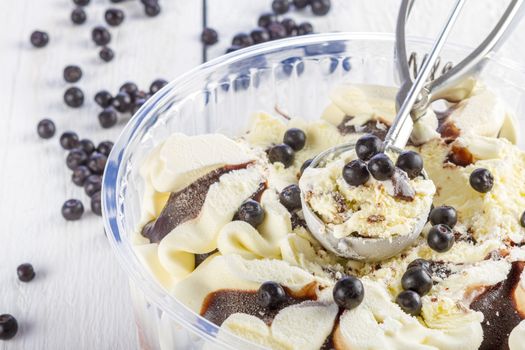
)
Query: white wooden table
[{"x": 80, "y": 298}]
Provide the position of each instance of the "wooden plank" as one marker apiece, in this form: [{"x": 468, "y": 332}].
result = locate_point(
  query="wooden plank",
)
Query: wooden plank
[{"x": 80, "y": 297}]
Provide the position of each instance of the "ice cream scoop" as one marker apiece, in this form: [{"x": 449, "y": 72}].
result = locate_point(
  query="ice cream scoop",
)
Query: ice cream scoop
[{"x": 412, "y": 101}]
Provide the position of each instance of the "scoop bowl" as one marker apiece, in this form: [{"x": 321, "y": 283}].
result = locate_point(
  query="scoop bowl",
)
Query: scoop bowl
[{"x": 355, "y": 247}]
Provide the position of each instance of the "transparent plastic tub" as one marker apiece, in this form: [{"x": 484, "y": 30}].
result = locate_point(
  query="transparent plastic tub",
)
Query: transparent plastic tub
[{"x": 293, "y": 76}]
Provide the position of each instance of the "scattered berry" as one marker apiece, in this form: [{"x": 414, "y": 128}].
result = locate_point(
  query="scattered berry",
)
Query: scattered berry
[
  {"x": 348, "y": 292},
  {"x": 122, "y": 102},
  {"x": 69, "y": 140},
  {"x": 290, "y": 26},
  {"x": 137, "y": 104},
  {"x": 276, "y": 31},
  {"x": 251, "y": 212},
  {"x": 105, "y": 147},
  {"x": 108, "y": 117},
  {"x": 305, "y": 28},
  {"x": 100, "y": 36},
  {"x": 417, "y": 279},
  {"x": 96, "y": 203},
  {"x": 152, "y": 9},
  {"x": 301, "y": 4},
  {"x": 8, "y": 327},
  {"x": 266, "y": 19},
  {"x": 260, "y": 35},
  {"x": 106, "y": 54},
  {"x": 92, "y": 185},
  {"x": 440, "y": 238},
  {"x": 445, "y": 215},
  {"x": 74, "y": 97},
  {"x": 295, "y": 138},
  {"x": 280, "y": 6},
  {"x": 410, "y": 302},
  {"x": 72, "y": 209},
  {"x": 141, "y": 94},
  {"x": 356, "y": 173},
  {"x": 97, "y": 162},
  {"x": 46, "y": 128},
  {"x": 281, "y": 153},
  {"x": 290, "y": 197},
  {"x": 411, "y": 163},
  {"x": 103, "y": 98},
  {"x": 157, "y": 85},
  {"x": 209, "y": 36},
  {"x": 130, "y": 88},
  {"x": 87, "y": 146},
  {"x": 72, "y": 73},
  {"x": 78, "y": 15},
  {"x": 481, "y": 180},
  {"x": 80, "y": 174},
  {"x": 233, "y": 48},
  {"x": 81, "y": 2},
  {"x": 368, "y": 146},
  {"x": 270, "y": 295},
  {"x": 381, "y": 167},
  {"x": 114, "y": 17},
  {"x": 320, "y": 7},
  {"x": 39, "y": 39},
  {"x": 25, "y": 272},
  {"x": 242, "y": 40},
  {"x": 75, "y": 158},
  {"x": 420, "y": 263}
]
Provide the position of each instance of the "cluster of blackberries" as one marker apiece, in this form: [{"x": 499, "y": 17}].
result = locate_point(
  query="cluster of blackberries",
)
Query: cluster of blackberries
[
  {"x": 128, "y": 99},
  {"x": 102, "y": 37},
  {"x": 373, "y": 162},
  {"x": 113, "y": 16},
  {"x": 99, "y": 34},
  {"x": 87, "y": 162},
  {"x": 270, "y": 26},
  {"x": 318, "y": 7},
  {"x": 441, "y": 236},
  {"x": 294, "y": 140},
  {"x": 416, "y": 282},
  {"x": 151, "y": 7}
]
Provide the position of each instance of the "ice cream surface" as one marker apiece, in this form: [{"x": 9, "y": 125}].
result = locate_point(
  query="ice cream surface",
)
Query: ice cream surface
[
  {"x": 213, "y": 252},
  {"x": 377, "y": 209}
]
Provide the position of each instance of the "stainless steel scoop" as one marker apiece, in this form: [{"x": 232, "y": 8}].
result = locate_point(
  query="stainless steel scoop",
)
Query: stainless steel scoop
[
  {"x": 456, "y": 81},
  {"x": 412, "y": 101}
]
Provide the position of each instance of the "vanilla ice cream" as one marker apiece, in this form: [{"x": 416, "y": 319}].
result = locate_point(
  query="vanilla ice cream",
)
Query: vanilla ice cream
[
  {"x": 372, "y": 210},
  {"x": 194, "y": 241}
]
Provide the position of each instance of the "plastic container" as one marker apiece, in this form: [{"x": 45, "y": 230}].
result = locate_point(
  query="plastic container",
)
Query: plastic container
[{"x": 294, "y": 76}]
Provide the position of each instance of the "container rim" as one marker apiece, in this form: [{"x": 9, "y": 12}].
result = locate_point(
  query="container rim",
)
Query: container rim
[{"x": 116, "y": 164}]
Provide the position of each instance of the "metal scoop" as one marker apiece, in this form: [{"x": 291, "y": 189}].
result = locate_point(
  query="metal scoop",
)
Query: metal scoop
[
  {"x": 456, "y": 81},
  {"x": 412, "y": 101}
]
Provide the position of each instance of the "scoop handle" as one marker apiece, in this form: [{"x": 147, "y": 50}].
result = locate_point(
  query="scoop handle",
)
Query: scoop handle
[
  {"x": 401, "y": 128},
  {"x": 474, "y": 63}
]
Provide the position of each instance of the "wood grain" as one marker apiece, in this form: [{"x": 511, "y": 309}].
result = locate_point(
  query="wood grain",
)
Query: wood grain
[{"x": 80, "y": 297}]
